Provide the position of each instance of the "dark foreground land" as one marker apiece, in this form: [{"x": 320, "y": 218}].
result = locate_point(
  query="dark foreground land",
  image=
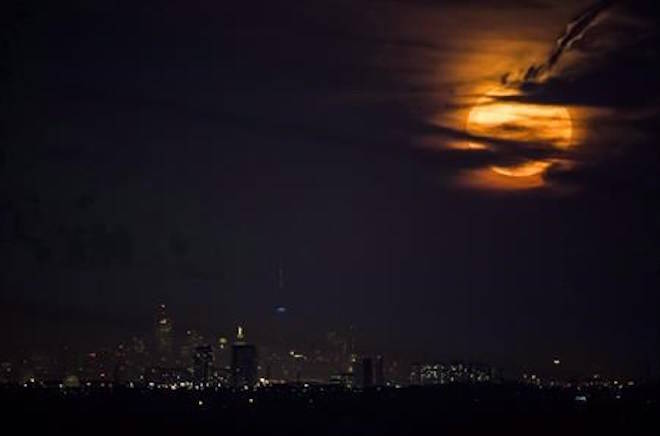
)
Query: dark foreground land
[{"x": 446, "y": 410}]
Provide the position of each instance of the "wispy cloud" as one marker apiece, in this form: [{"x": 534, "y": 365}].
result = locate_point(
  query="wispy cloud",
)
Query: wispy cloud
[
  {"x": 575, "y": 31},
  {"x": 603, "y": 68}
]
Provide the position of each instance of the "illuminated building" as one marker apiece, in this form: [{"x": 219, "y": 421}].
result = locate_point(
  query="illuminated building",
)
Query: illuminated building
[
  {"x": 191, "y": 341},
  {"x": 166, "y": 377},
  {"x": 202, "y": 363},
  {"x": 164, "y": 334},
  {"x": 443, "y": 373},
  {"x": 298, "y": 362},
  {"x": 71, "y": 381},
  {"x": 135, "y": 359},
  {"x": 344, "y": 379},
  {"x": 352, "y": 356},
  {"x": 243, "y": 361},
  {"x": 341, "y": 347},
  {"x": 97, "y": 366},
  {"x": 222, "y": 353}
]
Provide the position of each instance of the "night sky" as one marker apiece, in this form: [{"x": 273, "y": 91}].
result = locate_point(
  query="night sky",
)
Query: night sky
[{"x": 229, "y": 158}]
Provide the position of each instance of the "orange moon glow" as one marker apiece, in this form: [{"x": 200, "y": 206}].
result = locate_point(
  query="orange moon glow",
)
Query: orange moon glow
[{"x": 520, "y": 122}]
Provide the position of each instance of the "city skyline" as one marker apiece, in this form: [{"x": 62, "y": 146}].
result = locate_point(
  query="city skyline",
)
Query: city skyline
[
  {"x": 462, "y": 180},
  {"x": 334, "y": 357}
]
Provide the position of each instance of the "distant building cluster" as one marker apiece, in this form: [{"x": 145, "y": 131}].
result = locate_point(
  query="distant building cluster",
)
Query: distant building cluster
[
  {"x": 444, "y": 373},
  {"x": 175, "y": 359},
  {"x": 191, "y": 361}
]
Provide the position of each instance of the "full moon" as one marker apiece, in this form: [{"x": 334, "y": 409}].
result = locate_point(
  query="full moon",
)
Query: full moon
[{"x": 493, "y": 118}]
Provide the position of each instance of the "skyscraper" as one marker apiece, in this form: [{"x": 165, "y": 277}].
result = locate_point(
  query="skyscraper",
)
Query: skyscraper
[
  {"x": 243, "y": 361},
  {"x": 164, "y": 340},
  {"x": 202, "y": 363},
  {"x": 191, "y": 341},
  {"x": 379, "y": 371},
  {"x": 363, "y": 373},
  {"x": 367, "y": 372},
  {"x": 222, "y": 353}
]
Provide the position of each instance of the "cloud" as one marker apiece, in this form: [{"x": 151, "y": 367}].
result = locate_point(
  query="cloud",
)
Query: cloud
[
  {"x": 616, "y": 64},
  {"x": 604, "y": 69},
  {"x": 575, "y": 31}
]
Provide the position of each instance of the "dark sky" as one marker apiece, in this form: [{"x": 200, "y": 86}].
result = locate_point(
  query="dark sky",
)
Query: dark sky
[{"x": 183, "y": 151}]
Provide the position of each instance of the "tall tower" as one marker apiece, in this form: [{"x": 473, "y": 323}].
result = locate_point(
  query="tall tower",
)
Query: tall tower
[
  {"x": 277, "y": 359},
  {"x": 351, "y": 355},
  {"x": 243, "y": 361},
  {"x": 164, "y": 334}
]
